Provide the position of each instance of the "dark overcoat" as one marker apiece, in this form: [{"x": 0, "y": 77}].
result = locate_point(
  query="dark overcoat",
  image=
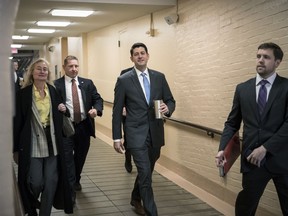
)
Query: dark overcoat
[{"x": 22, "y": 144}]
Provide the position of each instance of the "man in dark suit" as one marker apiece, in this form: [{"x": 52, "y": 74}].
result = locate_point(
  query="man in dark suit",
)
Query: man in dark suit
[
  {"x": 16, "y": 78},
  {"x": 91, "y": 105},
  {"x": 143, "y": 132},
  {"x": 128, "y": 159},
  {"x": 263, "y": 108}
]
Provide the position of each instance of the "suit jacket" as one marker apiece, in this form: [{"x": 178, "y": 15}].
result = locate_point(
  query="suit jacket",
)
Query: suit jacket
[
  {"x": 140, "y": 117},
  {"x": 269, "y": 130},
  {"x": 22, "y": 141},
  {"x": 17, "y": 84},
  {"x": 126, "y": 70},
  {"x": 91, "y": 98},
  {"x": 121, "y": 73}
]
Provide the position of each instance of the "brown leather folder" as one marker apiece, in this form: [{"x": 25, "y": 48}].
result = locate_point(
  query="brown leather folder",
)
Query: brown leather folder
[{"x": 231, "y": 153}]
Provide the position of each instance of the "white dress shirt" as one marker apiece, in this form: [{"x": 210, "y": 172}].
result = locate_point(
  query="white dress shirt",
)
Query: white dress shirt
[
  {"x": 69, "y": 101},
  {"x": 268, "y": 85}
]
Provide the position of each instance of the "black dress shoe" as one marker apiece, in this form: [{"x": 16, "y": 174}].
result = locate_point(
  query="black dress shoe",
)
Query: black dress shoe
[
  {"x": 128, "y": 166},
  {"x": 138, "y": 207},
  {"x": 77, "y": 187}
]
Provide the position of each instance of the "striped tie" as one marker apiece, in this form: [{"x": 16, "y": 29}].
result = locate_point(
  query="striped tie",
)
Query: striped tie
[{"x": 262, "y": 96}]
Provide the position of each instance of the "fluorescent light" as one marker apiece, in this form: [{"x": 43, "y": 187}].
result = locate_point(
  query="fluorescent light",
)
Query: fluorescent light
[
  {"x": 41, "y": 31},
  {"x": 48, "y": 23},
  {"x": 20, "y": 37},
  {"x": 71, "y": 13},
  {"x": 16, "y": 45}
]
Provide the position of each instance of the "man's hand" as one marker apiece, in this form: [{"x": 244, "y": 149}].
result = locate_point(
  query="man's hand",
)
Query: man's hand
[
  {"x": 164, "y": 108},
  {"x": 62, "y": 108},
  {"x": 124, "y": 111},
  {"x": 220, "y": 160},
  {"x": 118, "y": 146},
  {"x": 257, "y": 155},
  {"x": 92, "y": 113}
]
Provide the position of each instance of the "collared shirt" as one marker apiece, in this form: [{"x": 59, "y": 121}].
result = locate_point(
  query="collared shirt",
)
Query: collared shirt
[
  {"x": 43, "y": 105},
  {"x": 69, "y": 100},
  {"x": 140, "y": 77},
  {"x": 15, "y": 77},
  {"x": 268, "y": 86}
]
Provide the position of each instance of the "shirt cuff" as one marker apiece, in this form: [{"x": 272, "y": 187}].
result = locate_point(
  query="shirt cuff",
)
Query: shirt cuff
[{"x": 117, "y": 140}]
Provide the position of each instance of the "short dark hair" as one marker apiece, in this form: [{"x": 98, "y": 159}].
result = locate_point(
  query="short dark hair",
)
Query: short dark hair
[
  {"x": 277, "y": 51},
  {"x": 136, "y": 45},
  {"x": 69, "y": 58}
]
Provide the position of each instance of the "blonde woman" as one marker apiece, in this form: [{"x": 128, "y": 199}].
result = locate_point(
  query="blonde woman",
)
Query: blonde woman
[{"x": 38, "y": 145}]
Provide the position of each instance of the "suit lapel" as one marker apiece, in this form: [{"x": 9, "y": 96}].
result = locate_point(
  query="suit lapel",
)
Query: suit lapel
[
  {"x": 137, "y": 84},
  {"x": 276, "y": 87},
  {"x": 35, "y": 112},
  {"x": 62, "y": 88},
  {"x": 82, "y": 86},
  {"x": 251, "y": 96},
  {"x": 152, "y": 84}
]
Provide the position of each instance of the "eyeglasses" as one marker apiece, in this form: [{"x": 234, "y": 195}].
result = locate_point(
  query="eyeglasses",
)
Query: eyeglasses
[{"x": 42, "y": 69}]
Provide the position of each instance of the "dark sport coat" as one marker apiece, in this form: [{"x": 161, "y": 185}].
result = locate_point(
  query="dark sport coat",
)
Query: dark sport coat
[
  {"x": 140, "y": 116},
  {"x": 269, "y": 130},
  {"x": 22, "y": 144},
  {"x": 91, "y": 98}
]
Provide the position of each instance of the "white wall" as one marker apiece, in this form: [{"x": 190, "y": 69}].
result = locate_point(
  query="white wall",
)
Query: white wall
[{"x": 8, "y": 10}]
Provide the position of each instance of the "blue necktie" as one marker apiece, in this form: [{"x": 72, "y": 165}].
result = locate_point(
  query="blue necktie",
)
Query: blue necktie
[
  {"x": 262, "y": 96},
  {"x": 146, "y": 86}
]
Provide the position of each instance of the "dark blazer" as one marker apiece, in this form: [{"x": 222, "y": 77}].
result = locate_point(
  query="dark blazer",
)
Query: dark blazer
[
  {"x": 17, "y": 84},
  {"x": 126, "y": 70},
  {"x": 270, "y": 130},
  {"x": 140, "y": 118},
  {"x": 121, "y": 73},
  {"x": 22, "y": 144},
  {"x": 91, "y": 98}
]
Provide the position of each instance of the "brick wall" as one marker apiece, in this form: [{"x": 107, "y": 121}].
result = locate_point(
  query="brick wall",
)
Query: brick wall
[
  {"x": 204, "y": 56},
  {"x": 216, "y": 49}
]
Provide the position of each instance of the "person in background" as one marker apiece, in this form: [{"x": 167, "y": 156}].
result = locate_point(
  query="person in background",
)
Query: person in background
[
  {"x": 38, "y": 144},
  {"x": 20, "y": 71},
  {"x": 83, "y": 106},
  {"x": 17, "y": 80},
  {"x": 15, "y": 66},
  {"x": 144, "y": 134},
  {"x": 128, "y": 159},
  {"x": 261, "y": 103}
]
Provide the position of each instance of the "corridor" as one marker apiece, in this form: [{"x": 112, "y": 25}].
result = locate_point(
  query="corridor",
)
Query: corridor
[{"x": 106, "y": 188}]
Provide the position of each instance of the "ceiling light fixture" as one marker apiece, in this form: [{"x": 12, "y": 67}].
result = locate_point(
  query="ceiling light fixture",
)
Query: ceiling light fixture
[
  {"x": 41, "y": 31},
  {"x": 51, "y": 23},
  {"x": 20, "y": 37},
  {"x": 70, "y": 13},
  {"x": 16, "y": 46}
]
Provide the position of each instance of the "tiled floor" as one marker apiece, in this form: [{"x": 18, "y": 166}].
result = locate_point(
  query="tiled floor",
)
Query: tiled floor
[{"x": 106, "y": 188}]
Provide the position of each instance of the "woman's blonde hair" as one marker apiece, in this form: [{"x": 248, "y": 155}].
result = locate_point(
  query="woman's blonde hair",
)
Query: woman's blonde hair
[{"x": 28, "y": 77}]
